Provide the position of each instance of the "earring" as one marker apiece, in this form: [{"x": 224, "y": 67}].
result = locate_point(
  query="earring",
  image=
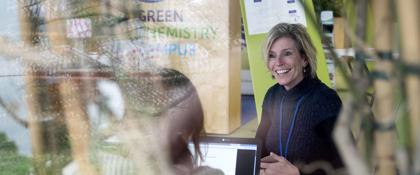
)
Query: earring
[{"x": 304, "y": 69}]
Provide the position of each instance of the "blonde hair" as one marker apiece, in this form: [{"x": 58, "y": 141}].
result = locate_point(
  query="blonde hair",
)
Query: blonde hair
[{"x": 298, "y": 33}]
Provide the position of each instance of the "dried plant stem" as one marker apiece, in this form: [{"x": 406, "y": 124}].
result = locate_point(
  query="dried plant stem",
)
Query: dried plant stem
[
  {"x": 342, "y": 137},
  {"x": 34, "y": 121},
  {"x": 73, "y": 96},
  {"x": 384, "y": 90},
  {"x": 410, "y": 37},
  {"x": 32, "y": 100},
  {"x": 77, "y": 124}
]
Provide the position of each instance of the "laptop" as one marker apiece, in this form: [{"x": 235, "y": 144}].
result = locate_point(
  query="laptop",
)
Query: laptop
[{"x": 234, "y": 156}]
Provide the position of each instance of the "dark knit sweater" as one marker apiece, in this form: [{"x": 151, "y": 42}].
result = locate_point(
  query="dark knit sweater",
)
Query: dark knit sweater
[{"x": 315, "y": 117}]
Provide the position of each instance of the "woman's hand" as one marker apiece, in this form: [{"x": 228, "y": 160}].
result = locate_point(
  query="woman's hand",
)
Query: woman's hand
[{"x": 280, "y": 167}]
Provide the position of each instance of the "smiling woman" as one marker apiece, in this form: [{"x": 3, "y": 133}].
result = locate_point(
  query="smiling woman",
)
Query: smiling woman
[{"x": 299, "y": 111}]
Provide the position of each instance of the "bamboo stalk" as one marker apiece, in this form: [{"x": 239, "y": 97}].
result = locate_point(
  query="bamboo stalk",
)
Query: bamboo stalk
[
  {"x": 362, "y": 82},
  {"x": 384, "y": 89},
  {"x": 32, "y": 98},
  {"x": 72, "y": 94},
  {"x": 410, "y": 51},
  {"x": 77, "y": 124},
  {"x": 34, "y": 115},
  {"x": 55, "y": 28}
]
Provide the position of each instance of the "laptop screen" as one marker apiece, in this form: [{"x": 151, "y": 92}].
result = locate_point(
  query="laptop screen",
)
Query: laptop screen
[{"x": 234, "y": 156}]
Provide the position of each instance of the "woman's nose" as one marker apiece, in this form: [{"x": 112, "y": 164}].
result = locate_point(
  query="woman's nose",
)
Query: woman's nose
[{"x": 279, "y": 61}]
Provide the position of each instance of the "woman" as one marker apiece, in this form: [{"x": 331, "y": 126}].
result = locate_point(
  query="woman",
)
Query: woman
[
  {"x": 299, "y": 111},
  {"x": 165, "y": 114}
]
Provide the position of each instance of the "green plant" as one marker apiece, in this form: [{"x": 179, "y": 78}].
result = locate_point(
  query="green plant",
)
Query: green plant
[{"x": 11, "y": 162}]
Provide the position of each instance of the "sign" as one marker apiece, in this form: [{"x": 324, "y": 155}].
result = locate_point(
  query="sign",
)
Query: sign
[
  {"x": 200, "y": 39},
  {"x": 264, "y": 14}
]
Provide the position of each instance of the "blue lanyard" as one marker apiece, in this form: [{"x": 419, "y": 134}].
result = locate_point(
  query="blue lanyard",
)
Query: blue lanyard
[{"x": 290, "y": 128}]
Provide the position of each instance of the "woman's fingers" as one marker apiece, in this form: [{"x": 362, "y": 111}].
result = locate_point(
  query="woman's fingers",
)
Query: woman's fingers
[
  {"x": 282, "y": 166},
  {"x": 277, "y": 157}
]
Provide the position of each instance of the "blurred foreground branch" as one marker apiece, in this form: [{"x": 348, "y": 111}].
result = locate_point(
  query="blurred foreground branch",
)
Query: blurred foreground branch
[{"x": 13, "y": 114}]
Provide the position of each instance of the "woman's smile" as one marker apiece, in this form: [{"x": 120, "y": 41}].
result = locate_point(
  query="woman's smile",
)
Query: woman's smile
[{"x": 282, "y": 71}]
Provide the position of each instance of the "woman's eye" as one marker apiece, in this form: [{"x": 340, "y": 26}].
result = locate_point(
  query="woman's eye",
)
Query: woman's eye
[
  {"x": 271, "y": 56},
  {"x": 288, "y": 53}
]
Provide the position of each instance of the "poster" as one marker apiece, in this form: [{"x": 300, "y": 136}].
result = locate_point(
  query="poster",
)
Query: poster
[{"x": 263, "y": 14}]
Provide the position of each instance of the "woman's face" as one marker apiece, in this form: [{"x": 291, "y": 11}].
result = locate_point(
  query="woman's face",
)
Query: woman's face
[{"x": 286, "y": 63}]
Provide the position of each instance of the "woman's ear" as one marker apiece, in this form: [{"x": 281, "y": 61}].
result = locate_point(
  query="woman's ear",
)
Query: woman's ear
[{"x": 305, "y": 61}]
